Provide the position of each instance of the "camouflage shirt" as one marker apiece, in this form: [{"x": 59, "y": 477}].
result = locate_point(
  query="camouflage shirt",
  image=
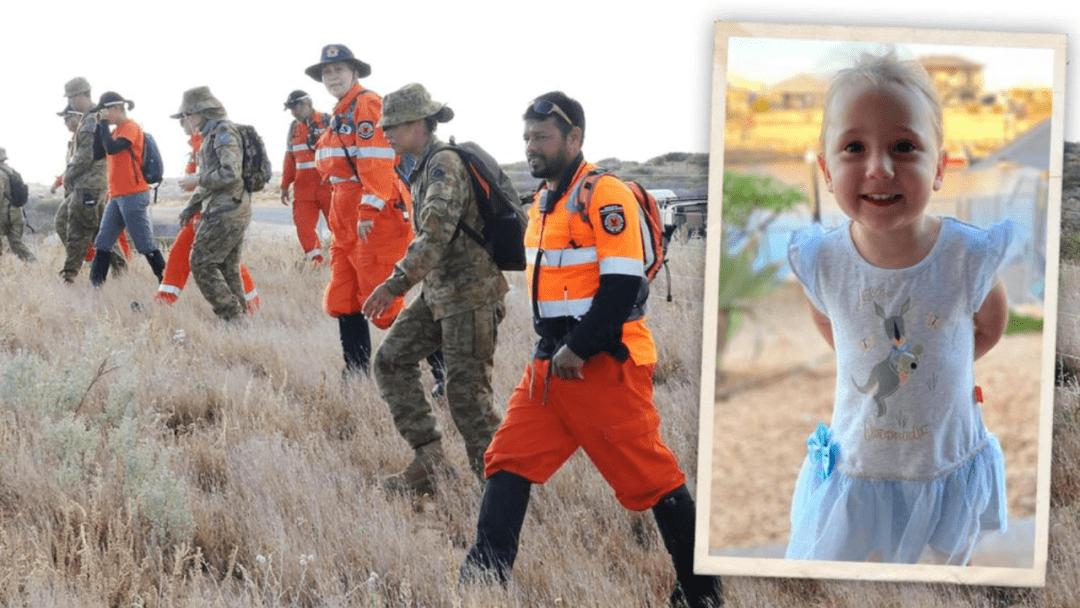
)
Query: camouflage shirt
[
  {"x": 83, "y": 172},
  {"x": 458, "y": 274},
  {"x": 221, "y": 163}
]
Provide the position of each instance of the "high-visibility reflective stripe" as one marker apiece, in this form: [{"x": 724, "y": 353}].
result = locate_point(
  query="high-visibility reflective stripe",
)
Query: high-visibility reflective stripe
[
  {"x": 251, "y": 295},
  {"x": 563, "y": 257},
  {"x": 169, "y": 289},
  {"x": 310, "y": 165},
  {"x": 369, "y": 152},
  {"x": 627, "y": 266},
  {"x": 324, "y": 153},
  {"x": 313, "y": 253},
  {"x": 338, "y": 180},
  {"x": 564, "y": 308},
  {"x": 374, "y": 201},
  {"x": 298, "y": 148},
  {"x": 355, "y": 152}
]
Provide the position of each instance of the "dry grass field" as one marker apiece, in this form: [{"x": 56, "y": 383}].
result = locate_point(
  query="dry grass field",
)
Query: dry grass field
[{"x": 156, "y": 457}]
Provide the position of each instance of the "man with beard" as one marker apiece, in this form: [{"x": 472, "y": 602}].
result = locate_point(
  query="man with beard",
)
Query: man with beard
[{"x": 590, "y": 382}]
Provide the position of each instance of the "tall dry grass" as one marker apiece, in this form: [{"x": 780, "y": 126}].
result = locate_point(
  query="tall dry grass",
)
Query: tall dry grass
[
  {"x": 232, "y": 467},
  {"x": 157, "y": 457}
]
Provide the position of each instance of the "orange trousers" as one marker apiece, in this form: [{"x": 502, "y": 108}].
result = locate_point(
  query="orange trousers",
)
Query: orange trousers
[
  {"x": 178, "y": 270},
  {"x": 610, "y": 414},
  {"x": 306, "y": 218},
  {"x": 357, "y": 267}
]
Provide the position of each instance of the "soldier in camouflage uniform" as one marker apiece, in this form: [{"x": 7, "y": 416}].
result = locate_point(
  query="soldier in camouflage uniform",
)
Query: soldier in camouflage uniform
[
  {"x": 460, "y": 305},
  {"x": 11, "y": 217},
  {"x": 86, "y": 188},
  {"x": 71, "y": 121},
  {"x": 220, "y": 196}
]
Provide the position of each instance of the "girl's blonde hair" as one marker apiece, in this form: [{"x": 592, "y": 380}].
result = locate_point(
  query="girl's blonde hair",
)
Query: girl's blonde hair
[{"x": 881, "y": 70}]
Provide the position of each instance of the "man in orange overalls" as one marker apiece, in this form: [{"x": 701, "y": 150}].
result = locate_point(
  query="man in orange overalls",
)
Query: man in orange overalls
[
  {"x": 369, "y": 209},
  {"x": 178, "y": 265},
  {"x": 311, "y": 193},
  {"x": 590, "y": 382}
]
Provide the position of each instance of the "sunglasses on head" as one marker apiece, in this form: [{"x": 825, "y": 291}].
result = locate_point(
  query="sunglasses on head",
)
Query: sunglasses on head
[{"x": 545, "y": 107}]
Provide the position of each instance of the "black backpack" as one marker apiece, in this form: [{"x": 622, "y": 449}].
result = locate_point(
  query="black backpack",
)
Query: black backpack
[
  {"x": 256, "y": 171},
  {"x": 18, "y": 192},
  {"x": 503, "y": 235},
  {"x": 151, "y": 166}
]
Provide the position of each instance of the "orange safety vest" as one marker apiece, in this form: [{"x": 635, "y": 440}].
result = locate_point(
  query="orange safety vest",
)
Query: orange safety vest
[
  {"x": 299, "y": 164},
  {"x": 353, "y": 149},
  {"x": 125, "y": 167},
  {"x": 581, "y": 245}
]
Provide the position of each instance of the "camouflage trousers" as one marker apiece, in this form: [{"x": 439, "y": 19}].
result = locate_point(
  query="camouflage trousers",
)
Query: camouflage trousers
[
  {"x": 468, "y": 342},
  {"x": 215, "y": 263},
  {"x": 11, "y": 226},
  {"x": 76, "y": 222}
]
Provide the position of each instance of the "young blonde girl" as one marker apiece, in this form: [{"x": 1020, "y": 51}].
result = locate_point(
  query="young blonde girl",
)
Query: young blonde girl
[{"x": 909, "y": 301}]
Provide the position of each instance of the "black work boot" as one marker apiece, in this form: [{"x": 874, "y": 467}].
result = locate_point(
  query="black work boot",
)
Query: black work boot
[
  {"x": 675, "y": 518},
  {"x": 502, "y": 511},
  {"x": 355, "y": 343},
  {"x": 438, "y": 371},
  {"x": 99, "y": 268},
  {"x": 157, "y": 264}
]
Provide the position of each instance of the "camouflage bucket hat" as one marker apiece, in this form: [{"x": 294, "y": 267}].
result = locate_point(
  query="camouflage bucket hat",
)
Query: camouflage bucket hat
[
  {"x": 75, "y": 86},
  {"x": 196, "y": 100},
  {"x": 412, "y": 102}
]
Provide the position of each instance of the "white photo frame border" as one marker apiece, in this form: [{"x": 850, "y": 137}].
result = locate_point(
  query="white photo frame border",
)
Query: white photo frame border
[{"x": 704, "y": 562}]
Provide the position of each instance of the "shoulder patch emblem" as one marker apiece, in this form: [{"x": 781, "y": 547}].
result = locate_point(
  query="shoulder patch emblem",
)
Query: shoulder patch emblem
[
  {"x": 613, "y": 219},
  {"x": 365, "y": 129},
  {"x": 437, "y": 172},
  {"x": 223, "y": 138}
]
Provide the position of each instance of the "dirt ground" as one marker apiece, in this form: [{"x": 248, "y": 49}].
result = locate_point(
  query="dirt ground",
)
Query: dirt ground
[{"x": 778, "y": 382}]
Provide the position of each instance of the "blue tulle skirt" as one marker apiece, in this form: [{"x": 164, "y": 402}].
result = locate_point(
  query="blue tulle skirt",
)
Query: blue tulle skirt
[{"x": 844, "y": 518}]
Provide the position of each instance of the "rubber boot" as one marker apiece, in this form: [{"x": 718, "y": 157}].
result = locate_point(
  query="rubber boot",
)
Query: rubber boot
[
  {"x": 355, "y": 343},
  {"x": 99, "y": 268},
  {"x": 157, "y": 264},
  {"x": 502, "y": 511},
  {"x": 421, "y": 476},
  {"x": 438, "y": 371},
  {"x": 675, "y": 518}
]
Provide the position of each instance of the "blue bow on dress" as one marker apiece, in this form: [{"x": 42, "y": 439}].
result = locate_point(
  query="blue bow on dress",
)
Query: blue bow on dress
[{"x": 823, "y": 451}]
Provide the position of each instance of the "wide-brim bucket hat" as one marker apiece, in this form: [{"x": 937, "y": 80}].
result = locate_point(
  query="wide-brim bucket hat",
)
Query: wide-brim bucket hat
[
  {"x": 75, "y": 86},
  {"x": 111, "y": 98},
  {"x": 196, "y": 100},
  {"x": 412, "y": 102},
  {"x": 337, "y": 53}
]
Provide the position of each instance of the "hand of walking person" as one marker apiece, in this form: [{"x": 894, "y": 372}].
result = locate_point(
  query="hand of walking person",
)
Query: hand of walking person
[
  {"x": 378, "y": 302},
  {"x": 285, "y": 197},
  {"x": 566, "y": 365},
  {"x": 363, "y": 229}
]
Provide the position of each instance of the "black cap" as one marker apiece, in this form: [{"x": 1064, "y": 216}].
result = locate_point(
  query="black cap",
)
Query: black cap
[
  {"x": 111, "y": 98},
  {"x": 295, "y": 97}
]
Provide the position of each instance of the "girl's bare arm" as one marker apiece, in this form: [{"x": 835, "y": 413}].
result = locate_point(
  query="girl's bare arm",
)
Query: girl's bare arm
[
  {"x": 822, "y": 323},
  {"x": 991, "y": 319}
]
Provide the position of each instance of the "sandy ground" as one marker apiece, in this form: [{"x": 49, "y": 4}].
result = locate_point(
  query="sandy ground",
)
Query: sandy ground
[{"x": 778, "y": 383}]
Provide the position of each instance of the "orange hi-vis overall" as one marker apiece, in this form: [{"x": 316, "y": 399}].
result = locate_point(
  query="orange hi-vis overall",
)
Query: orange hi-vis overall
[
  {"x": 355, "y": 157},
  {"x": 610, "y": 413},
  {"x": 311, "y": 194},
  {"x": 178, "y": 265}
]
